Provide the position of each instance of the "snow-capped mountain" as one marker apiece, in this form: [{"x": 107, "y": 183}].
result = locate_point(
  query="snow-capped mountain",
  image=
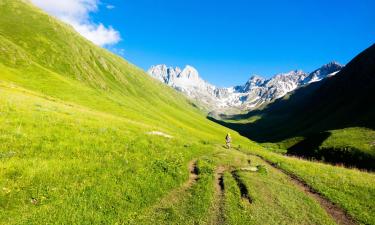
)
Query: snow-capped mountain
[
  {"x": 254, "y": 93},
  {"x": 187, "y": 81},
  {"x": 327, "y": 70}
]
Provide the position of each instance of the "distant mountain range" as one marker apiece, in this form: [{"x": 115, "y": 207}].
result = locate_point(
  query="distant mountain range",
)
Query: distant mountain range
[{"x": 256, "y": 92}]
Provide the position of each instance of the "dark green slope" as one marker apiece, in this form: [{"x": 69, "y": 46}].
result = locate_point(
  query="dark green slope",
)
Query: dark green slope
[{"x": 343, "y": 101}]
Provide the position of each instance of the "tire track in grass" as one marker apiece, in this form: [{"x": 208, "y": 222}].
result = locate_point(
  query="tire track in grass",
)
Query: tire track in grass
[
  {"x": 241, "y": 185},
  {"x": 337, "y": 213},
  {"x": 193, "y": 175},
  {"x": 217, "y": 216},
  {"x": 220, "y": 193},
  {"x": 220, "y": 190}
]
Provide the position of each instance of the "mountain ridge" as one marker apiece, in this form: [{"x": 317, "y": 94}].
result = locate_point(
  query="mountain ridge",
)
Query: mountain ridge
[{"x": 256, "y": 92}]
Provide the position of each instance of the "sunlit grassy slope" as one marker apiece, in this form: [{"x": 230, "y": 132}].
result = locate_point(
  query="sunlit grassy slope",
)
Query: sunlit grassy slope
[
  {"x": 82, "y": 165},
  {"x": 46, "y": 56},
  {"x": 74, "y": 126},
  {"x": 76, "y": 147}
]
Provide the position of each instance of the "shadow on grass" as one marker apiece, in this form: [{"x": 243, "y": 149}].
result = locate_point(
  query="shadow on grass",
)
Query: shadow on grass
[
  {"x": 309, "y": 147},
  {"x": 348, "y": 156},
  {"x": 312, "y": 142}
]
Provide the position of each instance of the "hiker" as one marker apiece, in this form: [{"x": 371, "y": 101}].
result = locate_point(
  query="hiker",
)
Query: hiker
[{"x": 228, "y": 140}]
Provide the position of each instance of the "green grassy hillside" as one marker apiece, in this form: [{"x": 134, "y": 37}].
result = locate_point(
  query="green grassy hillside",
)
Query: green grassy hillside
[
  {"x": 44, "y": 55},
  {"x": 88, "y": 138},
  {"x": 331, "y": 120}
]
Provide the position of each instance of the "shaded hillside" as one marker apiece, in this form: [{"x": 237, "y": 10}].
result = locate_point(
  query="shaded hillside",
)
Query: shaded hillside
[{"x": 342, "y": 101}]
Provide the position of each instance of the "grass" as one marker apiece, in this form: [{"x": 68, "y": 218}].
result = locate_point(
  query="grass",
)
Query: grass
[
  {"x": 352, "y": 189},
  {"x": 347, "y": 139},
  {"x": 85, "y": 166},
  {"x": 355, "y": 137},
  {"x": 79, "y": 164},
  {"x": 270, "y": 192},
  {"x": 76, "y": 147},
  {"x": 350, "y": 146},
  {"x": 243, "y": 119},
  {"x": 191, "y": 205}
]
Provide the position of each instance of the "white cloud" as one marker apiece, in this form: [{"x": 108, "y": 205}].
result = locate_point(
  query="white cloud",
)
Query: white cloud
[{"x": 77, "y": 13}]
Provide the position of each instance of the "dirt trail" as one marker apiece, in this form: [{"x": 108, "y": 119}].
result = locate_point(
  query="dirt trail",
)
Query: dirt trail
[
  {"x": 337, "y": 213},
  {"x": 193, "y": 176},
  {"x": 174, "y": 196},
  {"x": 218, "y": 206}
]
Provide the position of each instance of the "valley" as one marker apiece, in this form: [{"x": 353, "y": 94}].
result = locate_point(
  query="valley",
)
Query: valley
[
  {"x": 87, "y": 137},
  {"x": 328, "y": 120}
]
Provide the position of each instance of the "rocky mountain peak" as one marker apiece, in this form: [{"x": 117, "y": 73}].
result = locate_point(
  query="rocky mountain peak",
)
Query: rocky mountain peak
[
  {"x": 333, "y": 64},
  {"x": 255, "y": 92},
  {"x": 254, "y": 81},
  {"x": 324, "y": 71},
  {"x": 189, "y": 72}
]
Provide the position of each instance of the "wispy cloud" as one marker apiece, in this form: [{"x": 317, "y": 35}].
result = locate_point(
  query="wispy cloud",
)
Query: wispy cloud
[
  {"x": 77, "y": 13},
  {"x": 110, "y": 6}
]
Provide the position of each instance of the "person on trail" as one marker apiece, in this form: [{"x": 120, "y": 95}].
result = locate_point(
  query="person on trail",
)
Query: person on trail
[{"x": 228, "y": 140}]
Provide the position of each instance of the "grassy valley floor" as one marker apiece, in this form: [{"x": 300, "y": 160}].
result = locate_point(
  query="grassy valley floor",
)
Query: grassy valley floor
[{"x": 62, "y": 163}]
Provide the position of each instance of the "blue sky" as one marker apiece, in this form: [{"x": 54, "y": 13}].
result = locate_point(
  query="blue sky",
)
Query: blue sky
[{"x": 227, "y": 41}]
